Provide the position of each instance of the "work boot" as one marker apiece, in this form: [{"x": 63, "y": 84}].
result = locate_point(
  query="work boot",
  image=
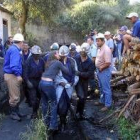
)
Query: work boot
[
  {"x": 14, "y": 115},
  {"x": 19, "y": 113}
]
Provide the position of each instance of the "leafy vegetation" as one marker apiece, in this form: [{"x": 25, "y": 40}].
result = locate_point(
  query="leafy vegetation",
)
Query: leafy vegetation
[
  {"x": 128, "y": 130},
  {"x": 37, "y": 131}
]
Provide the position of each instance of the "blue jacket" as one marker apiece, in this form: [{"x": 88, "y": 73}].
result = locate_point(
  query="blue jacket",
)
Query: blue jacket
[
  {"x": 136, "y": 29},
  {"x": 13, "y": 61},
  {"x": 33, "y": 70}
]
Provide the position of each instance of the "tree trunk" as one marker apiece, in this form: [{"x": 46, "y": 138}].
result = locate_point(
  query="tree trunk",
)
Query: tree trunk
[{"x": 23, "y": 17}]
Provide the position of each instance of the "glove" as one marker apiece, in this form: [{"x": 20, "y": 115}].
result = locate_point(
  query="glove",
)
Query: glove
[
  {"x": 78, "y": 73},
  {"x": 29, "y": 84}
]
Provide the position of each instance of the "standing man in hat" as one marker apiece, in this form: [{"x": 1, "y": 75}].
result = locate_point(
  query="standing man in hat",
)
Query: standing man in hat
[
  {"x": 33, "y": 71},
  {"x": 13, "y": 74},
  {"x": 134, "y": 19},
  {"x": 103, "y": 62},
  {"x": 85, "y": 71}
]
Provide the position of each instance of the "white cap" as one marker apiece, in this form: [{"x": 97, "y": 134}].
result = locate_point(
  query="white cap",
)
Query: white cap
[
  {"x": 107, "y": 33},
  {"x": 100, "y": 35},
  {"x": 36, "y": 50},
  {"x": 132, "y": 15},
  {"x": 18, "y": 37},
  {"x": 85, "y": 47},
  {"x": 63, "y": 51}
]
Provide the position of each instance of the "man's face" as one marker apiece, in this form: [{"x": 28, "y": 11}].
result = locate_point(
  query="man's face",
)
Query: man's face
[
  {"x": 107, "y": 36},
  {"x": 123, "y": 32},
  {"x": 133, "y": 20},
  {"x": 10, "y": 39},
  {"x": 83, "y": 54},
  {"x": 62, "y": 57},
  {"x": 89, "y": 41},
  {"x": 36, "y": 56},
  {"x": 21, "y": 45},
  {"x": 100, "y": 43},
  {"x": 25, "y": 47}
]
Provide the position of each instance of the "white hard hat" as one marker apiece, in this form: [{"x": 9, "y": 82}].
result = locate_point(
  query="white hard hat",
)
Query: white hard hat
[
  {"x": 54, "y": 46},
  {"x": 100, "y": 35},
  {"x": 63, "y": 51},
  {"x": 107, "y": 33},
  {"x": 85, "y": 47},
  {"x": 18, "y": 37},
  {"x": 133, "y": 14},
  {"x": 36, "y": 50}
]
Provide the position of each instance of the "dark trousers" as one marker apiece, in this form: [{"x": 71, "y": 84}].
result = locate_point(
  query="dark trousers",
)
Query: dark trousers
[
  {"x": 49, "y": 104},
  {"x": 34, "y": 94},
  {"x": 81, "y": 91}
]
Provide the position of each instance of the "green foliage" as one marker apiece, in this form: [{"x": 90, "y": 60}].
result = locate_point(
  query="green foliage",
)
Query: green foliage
[
  {"x": 89, "y": 14},
  {"x": 127, "y": 129},
  {"x": 35, "y": 132}
]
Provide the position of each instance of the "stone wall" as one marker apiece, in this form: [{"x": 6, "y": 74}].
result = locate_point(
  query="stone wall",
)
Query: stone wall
[{"x": 45, "y": 36}]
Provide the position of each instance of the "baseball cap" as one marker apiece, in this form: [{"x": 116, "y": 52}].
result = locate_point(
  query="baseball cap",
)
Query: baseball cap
[
  {"x": 107, "y": 33},
  {"x": 124, "y": 28},
  {"x": 133, "y": 14}
]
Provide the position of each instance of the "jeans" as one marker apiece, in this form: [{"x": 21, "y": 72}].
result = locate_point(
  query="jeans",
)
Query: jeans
[
  {"x": 49, "y": 104},
  {"x": 104, "y": 78}
]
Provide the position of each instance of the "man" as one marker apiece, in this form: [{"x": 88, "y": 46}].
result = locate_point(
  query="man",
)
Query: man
[
  {"x": 34, "y": 68},
  {"x": 85, "y": 71},
  {"x": 93, "y": 49},
  {"x": 103, "y": 62},
  {"x": 134, "y": 19},
  {"x": 53, "y": 47},
  {"x": 93, "y": 34},
  {"x": 73, "y": 53},
  {"x": 65, "y": 84},
  {"x": 26, "y": 54},
  {"x": 8, "y": 43},
  {"x": 1, "y": 49},
  {"x": 109, "y": 41},
  {"x": 12, "y": 74}
]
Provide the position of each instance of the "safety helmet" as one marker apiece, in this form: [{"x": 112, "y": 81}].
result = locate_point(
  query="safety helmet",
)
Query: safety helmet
[
  {"x": 63, "y": 51},
  {"x": 100, "y": 35},
  {"x": 72, "y": 47},
  {"x": 36, "y": 50},
  {"x": 85, "y": 47},
  {"x": 54, "y": 46},
  {"x": 18, "y": 37}
]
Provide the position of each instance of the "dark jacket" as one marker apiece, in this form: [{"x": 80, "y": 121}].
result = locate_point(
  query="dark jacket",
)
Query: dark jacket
[
  {"x": 85, "y": 68},
  {"x": 33, "y": 70}
]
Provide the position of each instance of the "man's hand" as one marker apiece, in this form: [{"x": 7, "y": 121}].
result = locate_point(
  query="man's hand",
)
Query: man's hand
[
  {"x": 19, "y": 78},
  {"x": 77, "y": 73},
  {"x": 100, "y": 69},
  {"x": 62, "y": 84}
]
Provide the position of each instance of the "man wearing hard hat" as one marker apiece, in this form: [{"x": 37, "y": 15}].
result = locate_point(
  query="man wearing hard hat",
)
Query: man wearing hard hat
[
  {"x": 134, "y": 19},
  {"x": 12, "y": 74},
  {"x": 85, "y": 71},
  {"x": 32, "y": 74}
]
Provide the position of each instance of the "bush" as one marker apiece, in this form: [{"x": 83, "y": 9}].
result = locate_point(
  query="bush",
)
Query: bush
[
  {"x": 127, "y": 129},
  {"x": 88, "y": 14},
  {"x": 37, "y": 131}
]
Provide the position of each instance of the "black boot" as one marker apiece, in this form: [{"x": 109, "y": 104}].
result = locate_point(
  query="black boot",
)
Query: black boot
[{"x": 14, "y": 114}]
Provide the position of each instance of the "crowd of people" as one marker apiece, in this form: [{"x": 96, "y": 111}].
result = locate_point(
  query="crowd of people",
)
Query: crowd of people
[{"x": 50, "y": 79}]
